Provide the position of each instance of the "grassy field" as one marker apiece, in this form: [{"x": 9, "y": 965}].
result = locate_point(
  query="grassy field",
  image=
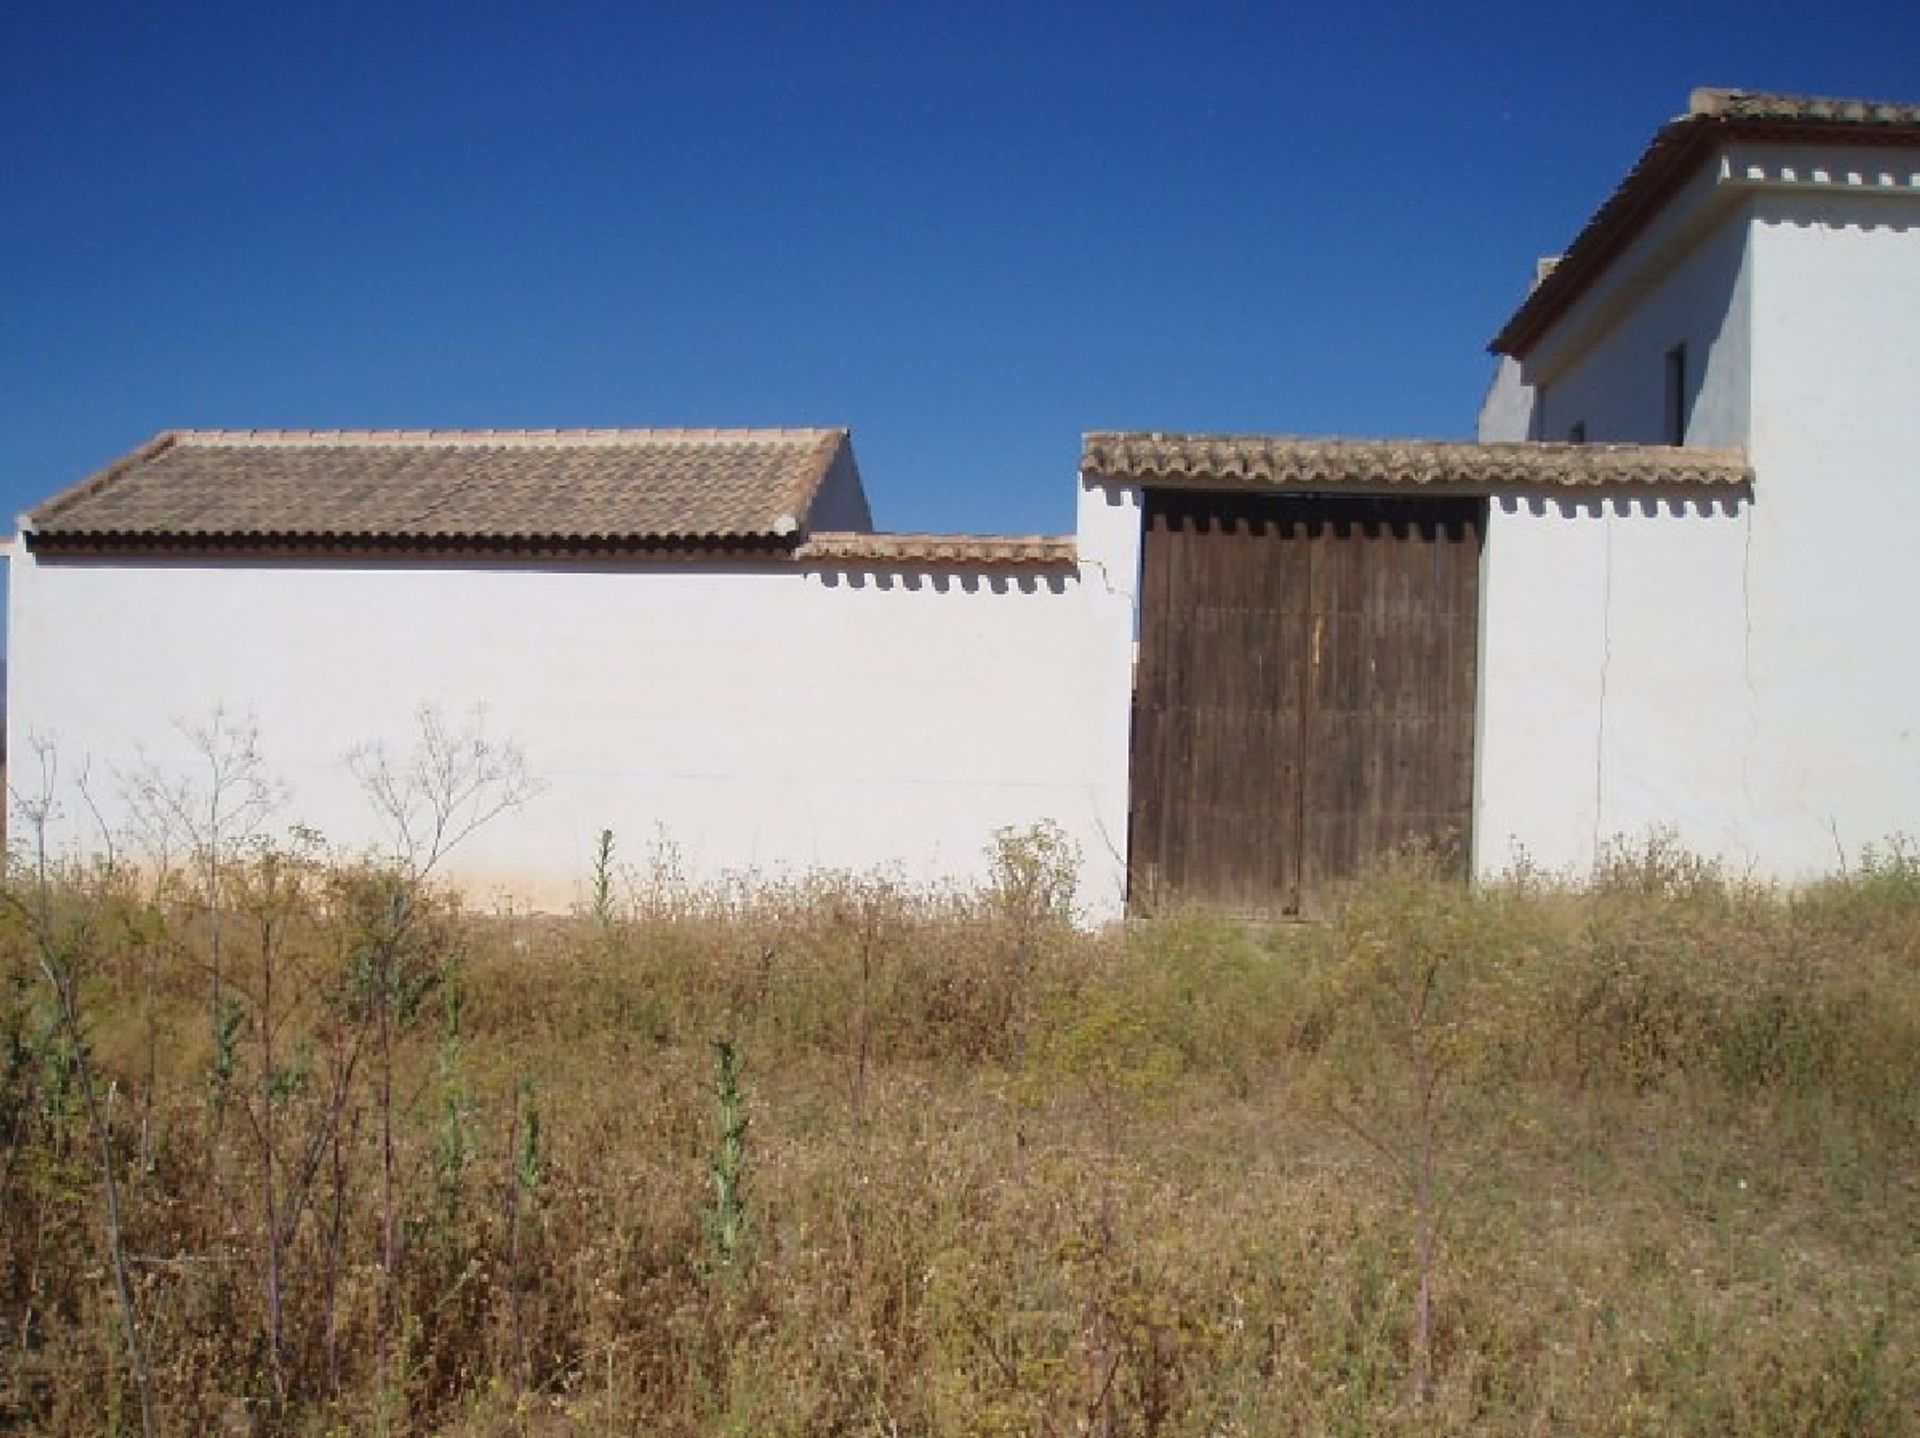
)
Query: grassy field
[{"x": 329, "y": 1155}]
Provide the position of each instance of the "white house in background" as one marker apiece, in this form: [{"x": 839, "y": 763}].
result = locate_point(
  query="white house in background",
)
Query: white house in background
[
  {"x": 1673, "y": 585},
  {"x": 1749, "y": 676}
]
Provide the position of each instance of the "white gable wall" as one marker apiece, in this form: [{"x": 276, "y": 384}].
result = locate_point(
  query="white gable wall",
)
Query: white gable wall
[
  {"x": 841, "y": 501},
  {"x": 774, "y": 718}
]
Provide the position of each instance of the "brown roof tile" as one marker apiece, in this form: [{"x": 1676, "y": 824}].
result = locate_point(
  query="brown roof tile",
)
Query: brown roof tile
[
  {"x": 1676, "y": 151},
  {"x": 1284, "y": 462},
  {"x": 1762, "y": 106},
  {"x": 969, "y": 550},
  {"x": 534, "y": 490}
]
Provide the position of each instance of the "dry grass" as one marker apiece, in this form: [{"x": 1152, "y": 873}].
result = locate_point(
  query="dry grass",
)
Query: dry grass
[{"x": 1001, "y": 1177}]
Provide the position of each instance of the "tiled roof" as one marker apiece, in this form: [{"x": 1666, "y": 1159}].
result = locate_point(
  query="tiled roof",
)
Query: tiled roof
[
  {"x": 1283, "y": 462},
  {"x": 1677, "y": 149},
  {"x": 1759, "y": 105},
  {"x": 511, "y": 490},
  {"x": 992, "y": 550}
]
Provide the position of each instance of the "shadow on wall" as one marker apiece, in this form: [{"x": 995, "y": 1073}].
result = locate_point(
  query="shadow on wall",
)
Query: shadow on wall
[
  {"x": 963, "y": 581},
  {"x": 1838, "y": 214},
  {"x": 1647, "y": 503}
]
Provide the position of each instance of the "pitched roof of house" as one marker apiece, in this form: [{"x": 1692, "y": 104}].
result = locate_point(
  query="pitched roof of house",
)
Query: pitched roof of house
[
  {"x": 1286, "y": 463},
  {"x": 1677, "y": 150},
  {"x": 544, "y": 491}
]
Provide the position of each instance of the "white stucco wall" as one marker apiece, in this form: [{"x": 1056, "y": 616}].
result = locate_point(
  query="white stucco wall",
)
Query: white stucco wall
[
  {"x": 1836, "y": 447},
  {"x": 1739, "y": 671},
  {"x": 1613, "y": 676},
  {"x": 774, "y": 719}
]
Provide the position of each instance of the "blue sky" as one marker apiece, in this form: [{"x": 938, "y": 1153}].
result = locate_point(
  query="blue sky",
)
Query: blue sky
[{"x": 969, "y": 231}]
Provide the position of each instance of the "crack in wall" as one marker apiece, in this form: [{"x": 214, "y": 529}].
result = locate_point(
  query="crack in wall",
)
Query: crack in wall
[
  {"x": 1746, "y": 654},
  {"x": 1606, "y": 661},
  {"x": 1106, "y": 580}
]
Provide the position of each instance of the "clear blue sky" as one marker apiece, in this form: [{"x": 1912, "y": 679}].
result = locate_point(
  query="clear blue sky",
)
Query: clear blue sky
[{"x": 970, "y": 231}]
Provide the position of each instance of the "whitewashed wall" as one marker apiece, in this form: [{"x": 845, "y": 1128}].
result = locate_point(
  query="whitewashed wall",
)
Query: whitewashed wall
[
  {"x": 1743, "y": 671},
  {"x": 770, "y": 719},
  {"x": 1836, "y": 446},
  {"x": 1613, "y": 659}
]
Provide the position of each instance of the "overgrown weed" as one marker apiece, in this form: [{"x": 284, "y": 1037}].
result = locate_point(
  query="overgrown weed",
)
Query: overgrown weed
[{"x": 1647, "y": 1146}]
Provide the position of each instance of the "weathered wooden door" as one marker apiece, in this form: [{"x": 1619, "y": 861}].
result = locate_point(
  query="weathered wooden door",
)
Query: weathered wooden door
[{"x": 1304, "y": 698}]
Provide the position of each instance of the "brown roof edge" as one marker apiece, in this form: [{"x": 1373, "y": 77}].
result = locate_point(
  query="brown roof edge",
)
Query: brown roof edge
[
  {"x": 1670, "y": 159},
  {"x": 103, "y": 477},
  {"x": 344, "y": 547},
  {"x": 1768, "y": 105},
  {"x": 964, "y": 550},
  {"x": 1285, "y": 462}
]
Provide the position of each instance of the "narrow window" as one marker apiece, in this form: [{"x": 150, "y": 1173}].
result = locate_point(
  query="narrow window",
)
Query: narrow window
[
  {"x": 1676, "y": 431},
  {"x": 1578, "y": 434}
]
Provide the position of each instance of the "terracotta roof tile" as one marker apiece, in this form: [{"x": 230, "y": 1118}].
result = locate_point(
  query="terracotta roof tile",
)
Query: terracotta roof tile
[
  {"x": 1285, "y": 462},
  {"x": 970, "y": 550},
  {"x": 1760, "y": 105},
  {"x": 493, "y": 489},
  {"x": 1677, "y": 149}
]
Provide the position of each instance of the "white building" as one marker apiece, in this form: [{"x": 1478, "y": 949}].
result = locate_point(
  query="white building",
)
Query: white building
[
  {"x": 1671, "y": 587},
  {"x": 1744, "y": 673}
]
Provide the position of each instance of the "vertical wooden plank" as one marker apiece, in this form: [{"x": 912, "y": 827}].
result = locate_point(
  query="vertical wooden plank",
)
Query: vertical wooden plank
[
  {"x": 1390, "y": 739},
  {"x": 1146, "y": 836},
  {"x": 1216, "y": 728}
]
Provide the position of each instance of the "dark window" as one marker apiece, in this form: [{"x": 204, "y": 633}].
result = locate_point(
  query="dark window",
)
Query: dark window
[
  {"x": 1578, "y": 434},
  {"x": 1676, "y": 418}
]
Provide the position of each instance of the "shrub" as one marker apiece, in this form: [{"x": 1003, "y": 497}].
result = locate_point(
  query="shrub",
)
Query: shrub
[{"x": 1641, "y": 1151}]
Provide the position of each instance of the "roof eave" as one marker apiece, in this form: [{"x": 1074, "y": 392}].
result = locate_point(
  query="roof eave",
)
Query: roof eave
[
  {"x": 86, "y": 544},
  {"x": 846, "y": 548},
  {"x": 1675, "y": 152},
  {"x": 1671, "y": 158}
]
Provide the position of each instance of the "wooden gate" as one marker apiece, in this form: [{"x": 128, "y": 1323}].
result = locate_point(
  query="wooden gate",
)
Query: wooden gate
[{"x": 1304, "y": 698}]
